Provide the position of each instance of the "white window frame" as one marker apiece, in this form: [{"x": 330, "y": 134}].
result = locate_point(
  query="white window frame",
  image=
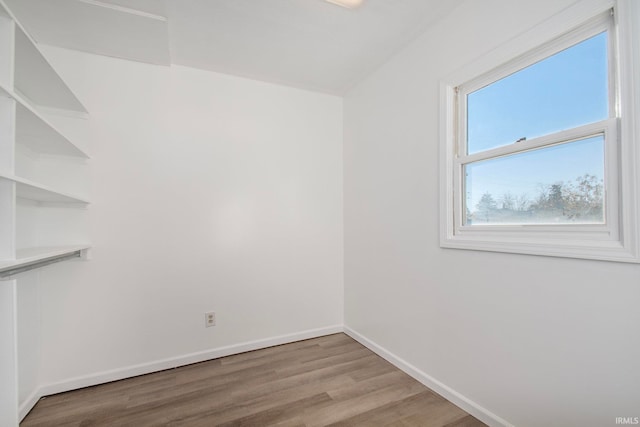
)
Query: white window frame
[{"x": 616, "y": 240}]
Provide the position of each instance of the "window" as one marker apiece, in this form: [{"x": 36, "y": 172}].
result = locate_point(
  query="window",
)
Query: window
[{"x": 534, "y": 151}]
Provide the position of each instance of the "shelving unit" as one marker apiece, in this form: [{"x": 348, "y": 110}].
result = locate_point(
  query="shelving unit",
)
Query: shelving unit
[
  {"x": 26, "y": 189},
  {"x": 35, "y": 132},
  {"x": 35, "y": 78},
  {"x": 40, "y": 216}
]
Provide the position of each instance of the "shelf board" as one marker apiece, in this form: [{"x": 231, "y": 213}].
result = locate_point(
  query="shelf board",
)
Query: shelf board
[
  {"x": 29, "y": 190},
  {"x": 35, "y": 77},
  {"x": 35, "y": 132},
  {"x": 143, "y": 36},
  {"x": 25, "y": 257}
]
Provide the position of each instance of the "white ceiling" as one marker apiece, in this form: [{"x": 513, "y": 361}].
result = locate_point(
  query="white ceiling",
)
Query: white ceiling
[{"x": 310, "y": 44}]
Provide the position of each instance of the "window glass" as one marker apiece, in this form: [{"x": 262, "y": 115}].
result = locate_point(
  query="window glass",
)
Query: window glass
[
  {"x": 563, "y": 91},
  {"x": 557, "y": 184}
]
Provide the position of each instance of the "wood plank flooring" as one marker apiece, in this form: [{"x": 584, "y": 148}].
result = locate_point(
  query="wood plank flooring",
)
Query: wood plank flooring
[{"x": 327, "y": 381}]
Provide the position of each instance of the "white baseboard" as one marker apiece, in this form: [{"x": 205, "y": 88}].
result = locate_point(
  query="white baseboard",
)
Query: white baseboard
[
  {"x": 443, "y": 390},
  {"x": 173, "y": 362},
  {"x": 29, "y": 403}
]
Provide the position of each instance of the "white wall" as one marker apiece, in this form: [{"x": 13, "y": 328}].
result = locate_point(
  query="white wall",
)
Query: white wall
[
  {"x": 537, "y": 341},
  {"x": 209, "y": 192}
]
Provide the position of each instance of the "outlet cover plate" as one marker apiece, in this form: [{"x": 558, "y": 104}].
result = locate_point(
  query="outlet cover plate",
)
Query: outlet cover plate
[{"x": 210, "y": 319}]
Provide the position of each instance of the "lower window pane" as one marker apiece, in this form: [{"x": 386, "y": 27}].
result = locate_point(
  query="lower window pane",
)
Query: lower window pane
[{"x": 554, "y": 185}]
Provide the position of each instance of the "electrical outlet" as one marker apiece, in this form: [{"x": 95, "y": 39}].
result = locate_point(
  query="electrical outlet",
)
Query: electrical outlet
[{"x": 210, "y": 319}]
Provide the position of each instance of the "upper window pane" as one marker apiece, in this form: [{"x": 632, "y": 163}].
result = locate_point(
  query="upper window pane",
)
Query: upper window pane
[{"x": 563, "y": 91}]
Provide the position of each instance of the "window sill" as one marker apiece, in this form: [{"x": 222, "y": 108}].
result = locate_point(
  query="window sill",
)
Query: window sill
[{"x": 602, "y": 250}]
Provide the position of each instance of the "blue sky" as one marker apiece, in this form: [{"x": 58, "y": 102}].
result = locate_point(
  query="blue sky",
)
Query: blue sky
[{"x": 563, "y": 91}]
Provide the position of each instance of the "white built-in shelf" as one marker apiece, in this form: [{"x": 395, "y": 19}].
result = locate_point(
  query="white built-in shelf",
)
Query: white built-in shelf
[
  {"x": 34, "y": 256},
  {"x": 37, "y": 133},
  {"x": 29, "y": 190},
  {"x": 34, "y": 77}
]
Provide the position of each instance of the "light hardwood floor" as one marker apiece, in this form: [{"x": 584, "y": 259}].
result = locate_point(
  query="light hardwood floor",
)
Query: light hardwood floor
[{"x": 331, "y": 380}]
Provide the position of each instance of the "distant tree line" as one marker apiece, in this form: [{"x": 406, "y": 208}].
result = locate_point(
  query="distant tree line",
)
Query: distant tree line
[{"x": 577, "y": 201}]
